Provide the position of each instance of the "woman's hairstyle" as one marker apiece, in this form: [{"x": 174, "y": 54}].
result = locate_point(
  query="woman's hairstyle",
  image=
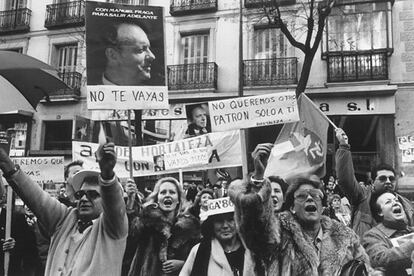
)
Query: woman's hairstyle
[
  {"x": 297, "y": 182},
  {"x": 283, "y": 185},
  {"x": 153, "y": 196},
  {"x": 375, "y": 208}
]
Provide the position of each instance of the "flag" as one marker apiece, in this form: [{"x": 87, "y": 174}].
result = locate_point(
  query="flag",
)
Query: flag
[{"x": 300, "y": 148}]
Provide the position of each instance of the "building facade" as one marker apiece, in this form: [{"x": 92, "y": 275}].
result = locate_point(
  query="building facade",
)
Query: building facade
[{"x": 362, "y": 76}]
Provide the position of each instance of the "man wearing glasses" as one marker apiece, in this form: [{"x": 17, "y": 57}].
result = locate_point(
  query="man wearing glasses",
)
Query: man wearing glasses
[
  {"x": 384, "y": 180},
  {"x": 89, "y": 239}
]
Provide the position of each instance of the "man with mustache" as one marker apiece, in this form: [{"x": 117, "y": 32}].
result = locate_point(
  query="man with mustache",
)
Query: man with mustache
[
  {"x": 128, "y": 55},
  {"x": 359, "y": 197},
  {"x": 388, "y": 210}
]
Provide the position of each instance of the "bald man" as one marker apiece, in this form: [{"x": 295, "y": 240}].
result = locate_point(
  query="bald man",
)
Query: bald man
[{"x": 129, "y": 57}]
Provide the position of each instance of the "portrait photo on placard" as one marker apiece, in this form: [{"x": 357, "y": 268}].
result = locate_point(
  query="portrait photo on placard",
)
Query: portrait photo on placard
[{"x": 198, "y": 119}]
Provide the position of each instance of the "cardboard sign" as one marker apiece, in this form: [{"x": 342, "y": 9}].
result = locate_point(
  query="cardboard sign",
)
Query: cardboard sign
[
  {"x": 43, "y": 170},
  {"x": 125, "y": 60},
  {"x": 126, "y": 97},
  {"x": 247, "y": 112},
  {"x": 223, "y": 150},
  {"x": 188, "y": 158}
]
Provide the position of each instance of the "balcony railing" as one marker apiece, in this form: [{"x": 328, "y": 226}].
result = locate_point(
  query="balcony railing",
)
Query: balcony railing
[
  {"x": 69, "y": 14},
  {"x": 74, "y": 81},
  {"x": 261, "y": 3},
  {"x": 267, "y": 72},
  {"x": 17, "y": 20},
  {"x": 357, "y": 66},
  {"x": 183, "y": 7},
  {"x": 192, "y": 76}
]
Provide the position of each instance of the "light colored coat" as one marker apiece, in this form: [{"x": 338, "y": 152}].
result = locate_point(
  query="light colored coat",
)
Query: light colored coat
[
  {"x": 98, "y": 251},
  {"x": 218, "y": 264}
]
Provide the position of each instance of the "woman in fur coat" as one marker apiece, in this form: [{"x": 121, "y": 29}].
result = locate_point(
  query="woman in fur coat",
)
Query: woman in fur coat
[
  {"x": 296, "y": 242},
  {"x": 163, "y": 234}
]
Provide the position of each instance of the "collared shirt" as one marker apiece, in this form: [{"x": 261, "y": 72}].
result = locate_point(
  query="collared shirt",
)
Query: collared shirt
[
  {"x": 105, "y": 81},
  {"x": 394, "y": 233}
]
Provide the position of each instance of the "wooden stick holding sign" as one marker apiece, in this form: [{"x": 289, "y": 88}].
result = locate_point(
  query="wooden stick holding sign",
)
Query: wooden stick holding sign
[{"x": 9, "y": 211}]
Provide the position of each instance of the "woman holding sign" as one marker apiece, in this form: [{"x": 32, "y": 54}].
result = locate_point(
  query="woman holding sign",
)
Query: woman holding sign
[
  {"x": 162, "y": 232},
  {"x": 220, "y": 251}
]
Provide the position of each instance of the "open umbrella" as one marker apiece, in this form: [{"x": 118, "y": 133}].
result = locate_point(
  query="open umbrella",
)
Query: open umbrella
[{"x": 32, "y": 78}]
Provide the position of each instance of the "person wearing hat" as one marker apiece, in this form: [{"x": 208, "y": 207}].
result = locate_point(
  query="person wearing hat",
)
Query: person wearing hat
[
  {"x": 89, "y": 239},
  {"x": 220, "y": 252}
]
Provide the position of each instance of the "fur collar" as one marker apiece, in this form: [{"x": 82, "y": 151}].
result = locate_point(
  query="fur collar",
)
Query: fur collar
[{"x": 335, "y": 242}]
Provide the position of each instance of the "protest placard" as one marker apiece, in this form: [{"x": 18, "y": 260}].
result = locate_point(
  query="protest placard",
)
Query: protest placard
[
  {"x": 43, "y": 170},
  {"x": 187, "y": 158},
  {"x": 125, "y": 60},
  {"x": 223, "y": 150},
  {"x": 175, "y": 111},
  {"x": 247, "y": 112}
]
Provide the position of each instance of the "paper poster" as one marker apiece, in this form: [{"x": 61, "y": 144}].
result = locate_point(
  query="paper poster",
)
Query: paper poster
[
  {"x": 256, "y": 111},
  {"x": 405, "y": 142},
  {"x": 187, "y": 158},
  {"x": 125, "y": 60},
  {"x": 43, "y": 170},
  {"x": 223, "y": 150}
]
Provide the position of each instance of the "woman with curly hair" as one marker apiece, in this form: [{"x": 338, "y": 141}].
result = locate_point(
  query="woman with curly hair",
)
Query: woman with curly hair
[{"x": 163, "y": 233}]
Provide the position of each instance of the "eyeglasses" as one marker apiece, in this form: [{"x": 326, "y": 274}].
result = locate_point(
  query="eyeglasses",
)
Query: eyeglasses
[
  {"x": 384, "y": 178},
  {"x": 90, "y": 194},
  {"x": 314, "y": 193}
]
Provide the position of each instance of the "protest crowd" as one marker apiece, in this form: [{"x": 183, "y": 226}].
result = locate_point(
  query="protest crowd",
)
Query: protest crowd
[{"x": 252, "y": 226}]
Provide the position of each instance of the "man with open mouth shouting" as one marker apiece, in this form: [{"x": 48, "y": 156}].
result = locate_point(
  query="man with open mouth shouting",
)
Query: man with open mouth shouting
[{"x": 388, "y": 210}]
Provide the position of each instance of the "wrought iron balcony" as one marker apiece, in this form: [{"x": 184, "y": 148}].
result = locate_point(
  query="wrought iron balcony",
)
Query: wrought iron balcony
[
  {"x": 69, "y": 14},
  {"x": 183, "y": 7},
  {"x": 357, "y": 66},
  {"x": 74, "y": 81},
  {"x": 268, "y": 72},
  {"x": 261, "y": 3},
  {"x": 192, "y": 76},
  {"x": 14, "y": 21}
]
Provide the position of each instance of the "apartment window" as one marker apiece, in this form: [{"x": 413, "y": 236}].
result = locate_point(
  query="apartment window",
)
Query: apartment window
[
  {"x": 58, "y": 135},
  {"x": 66, "y": 57},
  {"x": 130, "y": 2},
  {"x": 195, "y": 48},
  {"x": 359, "y": 27},
  {"x": 16, "y": 4},
  {"x": 271, "y": 43}
]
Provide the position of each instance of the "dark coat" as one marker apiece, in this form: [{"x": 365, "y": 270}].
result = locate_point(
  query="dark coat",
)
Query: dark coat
[
  {"x": 156, "y": 239},
  {"x": 24, "y": 258}
]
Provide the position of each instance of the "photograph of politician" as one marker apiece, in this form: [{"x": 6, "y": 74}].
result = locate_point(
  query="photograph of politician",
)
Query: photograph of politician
[
  {"x": 198, "y": 120},
  {"x": 124, "y": 50}
]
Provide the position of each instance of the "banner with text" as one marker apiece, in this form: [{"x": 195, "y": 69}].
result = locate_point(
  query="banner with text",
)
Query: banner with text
[
  {"x": 247, "y": 112},
  {"x": 175, "y": 111},
  {"x": 187, "y": 158},
  {"x": 223, "y": 150},
  {"x": 125, "y": 56},
  {"x": 43, "y": 170}
]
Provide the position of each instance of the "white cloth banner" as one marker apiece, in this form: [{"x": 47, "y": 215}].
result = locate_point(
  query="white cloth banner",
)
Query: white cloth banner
[
  {"x": 247, "y": 112},
  {"x": 223, "y": 150},
  {"x": 187, "y": 158}
]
